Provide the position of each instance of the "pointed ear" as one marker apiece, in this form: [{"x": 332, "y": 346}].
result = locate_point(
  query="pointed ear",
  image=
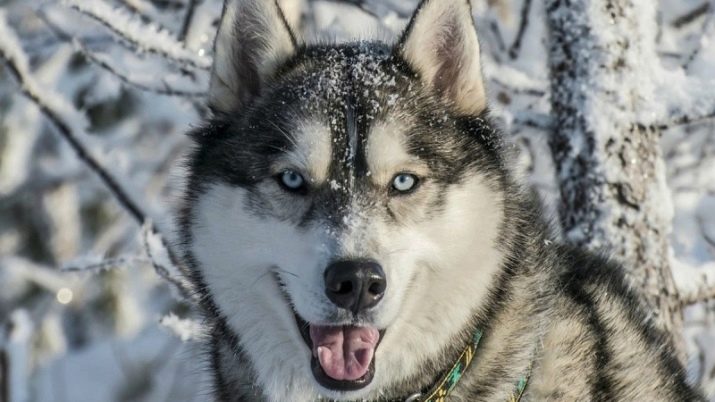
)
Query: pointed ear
[
  {"x": 441, "y": 45},
  {"x": 253, "y": 39}
]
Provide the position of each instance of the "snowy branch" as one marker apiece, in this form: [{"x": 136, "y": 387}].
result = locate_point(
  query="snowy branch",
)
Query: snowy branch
[
  {"x": 703, "y": 292},
  {"x": 691, "y": 15},
  {"x": 703, "y": 30},
  {"x": 95, "y": 267},
  {"x": 685, "y": 120},
  {"x": 516, "y": 46},
  {"x": 105, "y": 65},
  {"x": 143, "y": 37},
  {"x": 68, "y": 122},
  {"x": 531, "y": 91},
  {"x": 57, "y": 110},
  {"x": 165, "y": 264},
  {"x": 190, "y": 9},
  {"x": 534, "y": 120}
]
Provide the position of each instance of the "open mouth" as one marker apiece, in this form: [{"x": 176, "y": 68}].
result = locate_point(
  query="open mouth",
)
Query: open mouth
[{"x": 343, "y": 357}]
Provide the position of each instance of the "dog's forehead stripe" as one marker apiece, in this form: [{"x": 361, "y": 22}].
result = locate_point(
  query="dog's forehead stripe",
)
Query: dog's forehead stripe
[
  {"x": 312, "y": 148},
  {"x": 387, "y": 153}
]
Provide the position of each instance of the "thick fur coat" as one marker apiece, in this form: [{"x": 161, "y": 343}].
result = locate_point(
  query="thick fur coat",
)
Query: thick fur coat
[{"x": 371, "y": 151}]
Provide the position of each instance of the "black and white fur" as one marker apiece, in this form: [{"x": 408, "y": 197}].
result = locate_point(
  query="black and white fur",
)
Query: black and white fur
[{"x": 466, "y": 249}]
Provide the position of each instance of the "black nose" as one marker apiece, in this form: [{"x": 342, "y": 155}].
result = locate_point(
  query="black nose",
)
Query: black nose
[{"x": 355, "y": 285}]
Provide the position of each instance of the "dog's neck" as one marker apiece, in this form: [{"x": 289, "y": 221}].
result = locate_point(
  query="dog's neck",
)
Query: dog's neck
[{"x": 449, "y": 380}]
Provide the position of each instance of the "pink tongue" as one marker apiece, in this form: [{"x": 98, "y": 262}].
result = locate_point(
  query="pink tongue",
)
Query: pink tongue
[{"x": 344, "y": 353}]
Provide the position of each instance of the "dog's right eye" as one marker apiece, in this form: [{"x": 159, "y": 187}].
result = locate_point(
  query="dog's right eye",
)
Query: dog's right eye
[{"x": 292, "y": 181}]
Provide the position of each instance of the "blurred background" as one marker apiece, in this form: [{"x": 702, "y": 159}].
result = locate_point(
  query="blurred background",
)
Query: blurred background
[{"x": 84, "y": 315}]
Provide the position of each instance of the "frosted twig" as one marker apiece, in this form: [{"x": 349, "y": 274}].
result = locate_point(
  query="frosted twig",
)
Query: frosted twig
[
  {"x": 691, "y": 15},
  {"x": 539, "y": 92},
  {"x": 685, "y": 120},
  {"x": 164, "y": 262},
  {"x": 102, "y": 265},
  {"x": 704, "y": 293},
  {"x": 701, "y": 288},
  {"x": 698, "y": 48},
  {"x": 498, "y": 37},
  {"x": 706, "y": 236},
  {"x": 190, "y": 9},
  {"x": 144, "y": 37},
  {"x": 538, "y": 121},
  {"x": 64, "y": 117},
  {"x": 59, "y": 113},
  {"x": 104, "y": 65},
  {"x": 516, "y": 45}
]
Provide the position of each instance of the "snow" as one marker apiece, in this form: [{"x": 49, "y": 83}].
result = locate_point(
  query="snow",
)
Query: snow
[
  {"x": 111, "y": 328},
  {"x": 148, "y": 37},
  {"x": 11, "y": 49},
  {"x": 185, "y": 329}
]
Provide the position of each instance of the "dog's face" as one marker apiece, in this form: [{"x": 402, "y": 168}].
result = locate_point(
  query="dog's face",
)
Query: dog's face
[{"x": 345, "y": 204}]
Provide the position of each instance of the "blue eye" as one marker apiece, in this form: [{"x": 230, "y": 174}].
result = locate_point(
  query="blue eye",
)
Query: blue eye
[
  {"x": 404, "y": 182},
  {"x": 292, "y": 181}
]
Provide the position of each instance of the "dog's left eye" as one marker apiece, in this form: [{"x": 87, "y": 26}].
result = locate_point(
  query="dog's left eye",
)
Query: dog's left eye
[
  {"x": 292, "y": 181},
  {"x": 404, "y": 183}
]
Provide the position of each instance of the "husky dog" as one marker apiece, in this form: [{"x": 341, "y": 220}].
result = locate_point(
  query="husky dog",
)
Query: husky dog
[{"x": 353, "y": 226}]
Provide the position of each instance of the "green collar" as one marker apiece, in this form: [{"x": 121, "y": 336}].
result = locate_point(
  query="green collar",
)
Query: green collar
[{"x": 440, "y": 391}]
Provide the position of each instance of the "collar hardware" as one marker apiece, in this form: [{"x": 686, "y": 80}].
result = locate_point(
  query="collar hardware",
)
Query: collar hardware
[{"x": 444, "y": 387}]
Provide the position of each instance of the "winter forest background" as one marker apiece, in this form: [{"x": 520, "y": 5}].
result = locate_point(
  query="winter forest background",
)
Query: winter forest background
[{"x": 96, "y": 95}]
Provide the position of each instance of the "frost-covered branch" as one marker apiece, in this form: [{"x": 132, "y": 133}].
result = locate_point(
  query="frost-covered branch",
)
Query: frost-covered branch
[
  {"x": 103, "y": 264},
  {"x": 58, "y": 111},
  {"x": 129, "y": 81},
  {"x": 531, "y": 91},
  {"x": 105, "y": 65},
  {"x": 165, "y": 263},
  {"x": 685, "y": 120},
  {"x": 691, "y": 15},
  {"x": 143, "y": 37},
  {"x": 709, "y": 238},
  {"x": 699, "y": 289},
  {"x": 533, "y": 120},
  {"x": 188, "y": 17},
  {"x": 523, "y": 24},
  {"x": 70, "y": 124},
  {"x": 709, "y": 15},
  {"x": 15, "y": 340},
  {"x": 703, "y": 294}
]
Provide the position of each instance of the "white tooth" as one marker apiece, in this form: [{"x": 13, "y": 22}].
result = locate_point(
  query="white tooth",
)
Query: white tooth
[{"x": 324, "y": 355}]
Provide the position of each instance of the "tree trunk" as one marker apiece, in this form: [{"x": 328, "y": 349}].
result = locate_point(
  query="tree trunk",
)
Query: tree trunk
[{"x": 608, "y": 164}]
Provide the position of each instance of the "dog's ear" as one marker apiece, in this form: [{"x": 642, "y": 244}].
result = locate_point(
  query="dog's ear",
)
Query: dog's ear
[
  {"x": 253, "y": 39},
  {"x": 441, "y": 45}
]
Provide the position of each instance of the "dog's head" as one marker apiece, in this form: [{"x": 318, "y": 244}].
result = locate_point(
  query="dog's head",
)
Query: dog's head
[{"x": 345, "y": 200}]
